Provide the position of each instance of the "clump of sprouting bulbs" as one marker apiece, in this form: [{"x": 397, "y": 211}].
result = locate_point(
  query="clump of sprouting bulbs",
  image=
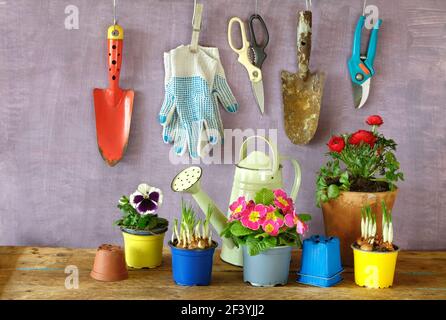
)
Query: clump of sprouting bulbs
[
  {"x": 369, "y": 240},
  {"x": 192, "y": 233}
]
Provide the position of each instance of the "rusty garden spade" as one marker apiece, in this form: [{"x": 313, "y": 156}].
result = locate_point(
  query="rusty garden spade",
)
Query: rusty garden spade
[
  {"x": 302, "y": 91},
  {"x": 113, "y": 106}
]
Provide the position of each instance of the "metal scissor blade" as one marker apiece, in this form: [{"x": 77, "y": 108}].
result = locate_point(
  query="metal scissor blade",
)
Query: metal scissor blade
[
  {"x": 361, "y": 93},
  {"x": 257, "y": 88}
]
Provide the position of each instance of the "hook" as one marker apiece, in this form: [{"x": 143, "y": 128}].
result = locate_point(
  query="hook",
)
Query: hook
[
  {"x": 196, "y": 25},
  {"x": 257, "y": 8},
  {"x": 308, "y": 4},
  {"x": 363, "y": 8},
  {"x": 114, "y": 12},
  {"x": 194, "y": 16}
]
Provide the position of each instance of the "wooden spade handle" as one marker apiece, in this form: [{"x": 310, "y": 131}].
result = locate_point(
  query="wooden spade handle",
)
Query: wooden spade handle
[
  {"x": 304, "y": 43},
  {"x": 115, "y": 39}
]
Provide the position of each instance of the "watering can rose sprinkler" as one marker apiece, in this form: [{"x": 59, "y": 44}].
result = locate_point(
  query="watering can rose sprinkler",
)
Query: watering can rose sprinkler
[{"x": 253, "y": 173}]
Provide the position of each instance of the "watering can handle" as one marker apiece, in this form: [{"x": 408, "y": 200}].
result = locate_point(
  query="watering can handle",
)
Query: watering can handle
[
  {"x": 297, "y": 177},
  {"x": 272, "y": 147}
]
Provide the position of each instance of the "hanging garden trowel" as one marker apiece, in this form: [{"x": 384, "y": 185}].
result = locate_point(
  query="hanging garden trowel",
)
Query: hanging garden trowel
[
  {"x": 113, "y": 106},
  {"x": 302, "y": 91}
]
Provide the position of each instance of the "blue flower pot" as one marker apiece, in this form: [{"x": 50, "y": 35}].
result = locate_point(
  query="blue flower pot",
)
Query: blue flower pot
[
  {"x": 267, "y": 269},
  {"x": 192, "y": 267},
  {"x": 321, "y": 262}
]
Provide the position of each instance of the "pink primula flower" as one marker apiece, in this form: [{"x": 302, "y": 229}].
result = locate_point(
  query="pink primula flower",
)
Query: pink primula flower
[
  {"x": 282, "y": 201},
  {"x": 237, "y": 208},
  {"x": 301, "y": 227},
  {"x": 272, "y": 214},
  {"x": 253, "y": 216},
  {"x": 271, "y": 227},
  {"x": 291, "y": 220}
]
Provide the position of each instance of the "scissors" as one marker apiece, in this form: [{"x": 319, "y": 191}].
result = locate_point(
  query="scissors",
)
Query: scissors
[
  {"x": 251, "y": 56},
  {"x": 361, "y": 66}
]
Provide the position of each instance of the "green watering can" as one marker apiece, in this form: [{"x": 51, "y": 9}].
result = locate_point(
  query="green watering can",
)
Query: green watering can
[{"x": 253, "y": 172}]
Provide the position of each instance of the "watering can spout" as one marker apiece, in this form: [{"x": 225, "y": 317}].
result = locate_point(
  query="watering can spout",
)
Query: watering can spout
[{"x": 188, "y": 181}]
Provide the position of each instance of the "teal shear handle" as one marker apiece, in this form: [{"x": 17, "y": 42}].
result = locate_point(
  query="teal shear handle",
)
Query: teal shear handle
[{"x": 362, "y": 69}]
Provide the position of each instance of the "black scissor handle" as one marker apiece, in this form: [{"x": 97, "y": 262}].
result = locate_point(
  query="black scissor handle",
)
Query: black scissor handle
[{"x": 259, "y": 49}]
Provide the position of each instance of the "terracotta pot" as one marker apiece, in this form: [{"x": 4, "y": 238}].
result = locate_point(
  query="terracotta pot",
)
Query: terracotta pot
[
  {"x": 342, "y": 217},
  {"x": 109, "y": 264}
]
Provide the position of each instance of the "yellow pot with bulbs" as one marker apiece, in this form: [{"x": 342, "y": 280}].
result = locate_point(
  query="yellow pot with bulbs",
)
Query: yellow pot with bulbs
[
  {"x": 374, "y": 269},
  {"x": 374, "y": 257}
]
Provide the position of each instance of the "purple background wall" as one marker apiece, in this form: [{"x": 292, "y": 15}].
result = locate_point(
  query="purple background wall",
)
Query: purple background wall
[{"x": 55, "y": 190}]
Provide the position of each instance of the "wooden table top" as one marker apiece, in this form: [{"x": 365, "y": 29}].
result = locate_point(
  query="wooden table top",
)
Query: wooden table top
[{"x": 39, "y": 273}]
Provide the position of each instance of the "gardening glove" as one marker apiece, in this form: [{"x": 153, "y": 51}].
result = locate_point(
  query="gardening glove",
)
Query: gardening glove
[
  {"x": 194, "y": 84},
  {"x": 173, "y": 132}
]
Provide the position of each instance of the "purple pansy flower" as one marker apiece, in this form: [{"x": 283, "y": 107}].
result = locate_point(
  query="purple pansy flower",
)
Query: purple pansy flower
[{"x": 146, "y": 199}]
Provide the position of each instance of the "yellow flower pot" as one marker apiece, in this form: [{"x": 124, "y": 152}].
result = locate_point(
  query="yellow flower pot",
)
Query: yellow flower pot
[
  {"x": 143, "y": 250},
  {"x": 374, "y": 269}
]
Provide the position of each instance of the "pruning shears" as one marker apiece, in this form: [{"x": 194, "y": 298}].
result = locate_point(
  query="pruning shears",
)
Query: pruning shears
[{"x": 361, "y": 66}]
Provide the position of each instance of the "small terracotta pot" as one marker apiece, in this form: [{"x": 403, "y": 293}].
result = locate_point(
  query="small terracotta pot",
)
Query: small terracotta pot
[
  {"x": 109, "y": 264},
  {"x": 342, "y": 217}
]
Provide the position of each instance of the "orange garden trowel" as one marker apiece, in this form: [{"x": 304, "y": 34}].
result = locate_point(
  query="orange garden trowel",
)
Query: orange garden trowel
[{"x": 113, "y": 106}]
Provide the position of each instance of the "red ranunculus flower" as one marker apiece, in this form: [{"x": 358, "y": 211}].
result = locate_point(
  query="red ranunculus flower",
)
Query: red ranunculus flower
[
  {"x": 336, "y": 144},
  {"x": 363, "y": 136},
  {"x": 374, "y": 120}
]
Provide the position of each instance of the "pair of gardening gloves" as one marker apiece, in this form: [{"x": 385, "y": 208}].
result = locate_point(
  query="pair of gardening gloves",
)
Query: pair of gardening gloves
[{"x": 195, "y": 83}]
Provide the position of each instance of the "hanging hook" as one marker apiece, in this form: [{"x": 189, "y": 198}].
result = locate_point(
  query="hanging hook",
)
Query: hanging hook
[
  {"x": 196, "y": 25},
  {"x": 363, "y": 8},
  {"x": 193, "y": 16},
  {"x": 114, "y": 12},
  {"x": 257, "y": 8},
  {"x": 308, "y": 4}
]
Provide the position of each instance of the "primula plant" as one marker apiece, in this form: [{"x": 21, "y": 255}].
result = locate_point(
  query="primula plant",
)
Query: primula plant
[
  {"x": 369, "y": 240},
  {"x": 266, "y": 222},
  {"x": 138, "y": 210},
  {"x": 192, "y": 233},
  {"x": 363, "y": 161}
]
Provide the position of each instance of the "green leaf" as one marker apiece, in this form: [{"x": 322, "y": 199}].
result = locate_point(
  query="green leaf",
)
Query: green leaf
[
  {"x": 226, "y": 232},
  {"x": 336, "y": 168},
  {"x": 152, "y": 223},
  {"x": 269, "y": 242},
  {"x": 344, "y": 178},
  {"x": 321, "y": 182},
  {"x": 324, "y": 197},
  {"x": 264, "y": 196},
  {"x": 239, "y": 241},
  {"x": 261, "y": 235},
  {"x": 333, "y": 191},
  {"x": 256, "y": 245},
  {"x": 143, "y": 221},
  {"x": 238, "y": 230},
  {"x": 289, "y": 238},
  {"x": 304, "y": 217}
]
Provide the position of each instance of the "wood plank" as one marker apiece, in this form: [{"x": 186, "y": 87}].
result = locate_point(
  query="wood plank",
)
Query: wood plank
[{"x": 38, "y": 273}]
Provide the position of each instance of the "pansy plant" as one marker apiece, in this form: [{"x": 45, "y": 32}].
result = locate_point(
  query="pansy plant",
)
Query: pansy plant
[
  {"x": 268, "y": 221},
  {"x": 138, "y": 210},
  {"x": 146, "y": 199}
]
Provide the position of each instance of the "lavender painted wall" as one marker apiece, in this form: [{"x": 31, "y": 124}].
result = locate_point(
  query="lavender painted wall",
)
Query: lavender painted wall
[{"x": 55, "y": 190}]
